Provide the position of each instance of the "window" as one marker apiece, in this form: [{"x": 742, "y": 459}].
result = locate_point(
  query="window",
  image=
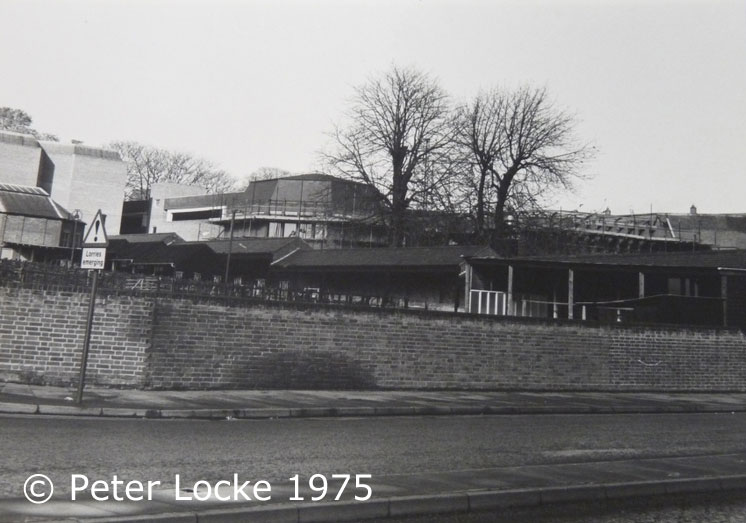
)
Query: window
[
  {"x": 196, "y": 215},
  {"x": 305, "y": 230},
  {"x": 275, "y": 230},
  {"x": 290, "y": 229},
  {"x": 319, "y": 231}
]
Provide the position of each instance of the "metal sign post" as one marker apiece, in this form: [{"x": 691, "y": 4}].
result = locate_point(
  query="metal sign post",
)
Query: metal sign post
[
  {"x": 87, "y": 339},
  {"x": 92, "y": 257}
]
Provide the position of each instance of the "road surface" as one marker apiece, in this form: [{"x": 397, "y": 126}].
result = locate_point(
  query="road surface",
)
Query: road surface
[{"x": 275, "y": 450}]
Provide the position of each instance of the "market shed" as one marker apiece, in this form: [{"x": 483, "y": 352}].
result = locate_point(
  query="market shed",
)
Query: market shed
[
  {"x": 419, "y": 277},
  {"x": 694, "y": 288}
]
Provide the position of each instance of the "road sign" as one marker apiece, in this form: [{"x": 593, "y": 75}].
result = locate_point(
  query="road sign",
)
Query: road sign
[
  {"x": 94, "y": 245},
  {"x": 96, "y": 235},
  {"x": 92, "y": 257}
]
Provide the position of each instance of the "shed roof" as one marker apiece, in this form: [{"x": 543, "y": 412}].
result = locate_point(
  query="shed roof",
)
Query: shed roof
[
  {"x": 735, "y": 259},
  {"x": 161, "y": 237},
  {"x": 382, "y": 258}
]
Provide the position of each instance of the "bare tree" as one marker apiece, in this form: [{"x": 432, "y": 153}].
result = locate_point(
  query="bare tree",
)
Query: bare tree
[
  {"x": 395, "y": 123},
  {"x": 148, "y": 165},
  {"x": 19, "y": 121},
  {"x": 517, "y": 146}
]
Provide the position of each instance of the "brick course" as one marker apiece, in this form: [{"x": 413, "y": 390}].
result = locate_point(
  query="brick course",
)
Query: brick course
[
  {"x": 41, "y": 337},
  {"x": 197, "y": 344}
]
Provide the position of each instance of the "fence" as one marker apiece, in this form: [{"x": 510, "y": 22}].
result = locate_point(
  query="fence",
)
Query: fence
[{"x": 663, "y": 308}]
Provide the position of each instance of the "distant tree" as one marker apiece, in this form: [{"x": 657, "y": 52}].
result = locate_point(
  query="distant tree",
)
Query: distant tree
[
  {"x": 148, "y": 165},
  {"x": 516, "y": 146},
  {"x": 394, "y": 124},
  {"x": 19, "y": 121}
]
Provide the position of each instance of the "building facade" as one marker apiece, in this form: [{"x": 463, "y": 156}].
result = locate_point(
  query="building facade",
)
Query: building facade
[
  {"x": 33, "y": 227},
  {"x": 80, "y": 178},
  {"x": 323, "y": 210}
]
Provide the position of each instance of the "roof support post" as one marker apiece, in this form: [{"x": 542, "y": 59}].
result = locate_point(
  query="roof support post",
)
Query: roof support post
[
  {"x": 724, "y": 297},
  {"x": 467, "y": 287},
  {"x": 570, "y": 293},
  {"x": 509, "y": 307},
  {"x": 230, "y": 250},
  {"x": 641, "y": 284}
]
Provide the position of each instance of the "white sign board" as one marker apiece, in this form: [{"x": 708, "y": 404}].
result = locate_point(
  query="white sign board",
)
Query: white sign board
[
  {"x": 94, "y": 245},
  {"x": 93, "y": 258}
]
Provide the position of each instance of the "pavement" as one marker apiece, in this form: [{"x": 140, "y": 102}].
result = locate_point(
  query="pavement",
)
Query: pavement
[
  {"x": 461, "y": 491},
  {"x": 257, "y": 404}
]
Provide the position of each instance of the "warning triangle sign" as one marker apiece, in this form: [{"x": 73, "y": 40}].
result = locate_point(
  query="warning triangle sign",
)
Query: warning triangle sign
[{"x": 96, "y": 235}]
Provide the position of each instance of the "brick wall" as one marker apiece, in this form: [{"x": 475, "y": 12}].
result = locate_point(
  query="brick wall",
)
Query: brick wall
[
  {"x": 41, "y": 337},
  {"x": 183, "y": 343},
  {"x": 274, "y": 346}
]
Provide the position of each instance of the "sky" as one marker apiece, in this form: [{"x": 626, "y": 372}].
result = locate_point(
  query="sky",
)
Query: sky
[{"x": 658, "y": 87}]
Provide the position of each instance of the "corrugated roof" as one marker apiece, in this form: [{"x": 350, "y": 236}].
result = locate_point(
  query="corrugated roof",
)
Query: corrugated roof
[
  {"x": 411, "y": 257},
  {"x": 30, "y": 201}
]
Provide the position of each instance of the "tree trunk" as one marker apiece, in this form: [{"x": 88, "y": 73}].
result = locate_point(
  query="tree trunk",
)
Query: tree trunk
[
  {"x": 398, "y": 199},
  {"x": 480, "y": 205},
  {"x": 503, "y": 189}
]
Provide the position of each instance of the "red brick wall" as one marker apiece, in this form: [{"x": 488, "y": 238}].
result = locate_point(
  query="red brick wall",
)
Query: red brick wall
[
  {"x": 41, "y": 337},
  {"x": 182, "y": 343},
  {"x": 274, "y": 346}
]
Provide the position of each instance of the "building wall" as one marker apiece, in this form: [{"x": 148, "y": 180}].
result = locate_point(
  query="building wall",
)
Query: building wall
[
  {"x": 41, "y": 337},
  {"x": 20, "y": 157},
  {"x": 190, "y": 230},
  {"x": 30, "y": 230},
  {"x": 88, "y": 179},
  {"x": 75, "y": 175},
  {"x": 181, "y": 343}
]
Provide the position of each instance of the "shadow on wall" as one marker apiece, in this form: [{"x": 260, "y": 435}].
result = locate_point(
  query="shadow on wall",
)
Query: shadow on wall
[{"x": 309, "y": 370}]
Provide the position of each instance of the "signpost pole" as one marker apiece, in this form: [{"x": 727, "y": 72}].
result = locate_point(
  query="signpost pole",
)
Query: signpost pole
[
  {"x": 93, "y": 257},
  {"x": 87, "y": 340}
]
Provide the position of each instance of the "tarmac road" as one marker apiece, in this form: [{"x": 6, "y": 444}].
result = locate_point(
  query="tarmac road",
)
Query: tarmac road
[{"x": 277, "y": 449}]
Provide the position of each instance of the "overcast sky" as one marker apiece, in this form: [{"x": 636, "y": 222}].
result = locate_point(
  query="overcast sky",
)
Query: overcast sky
[{"x": 658, "y": 86}]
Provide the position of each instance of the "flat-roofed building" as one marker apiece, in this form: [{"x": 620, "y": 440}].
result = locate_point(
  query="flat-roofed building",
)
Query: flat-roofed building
[{"x": 323, "y": 210}]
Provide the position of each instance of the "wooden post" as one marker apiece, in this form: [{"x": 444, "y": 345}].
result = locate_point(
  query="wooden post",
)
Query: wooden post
[
  {"x": 641, "y": 284},
  {"x": 467, "y": 288},
  {"x": 554, "y": 303},
  {"x": 230, "y": 250},
  {"x": 724, "y": 297},
  {"x": 510, "y": 291},
  {"x": 570, "y": 293}
]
